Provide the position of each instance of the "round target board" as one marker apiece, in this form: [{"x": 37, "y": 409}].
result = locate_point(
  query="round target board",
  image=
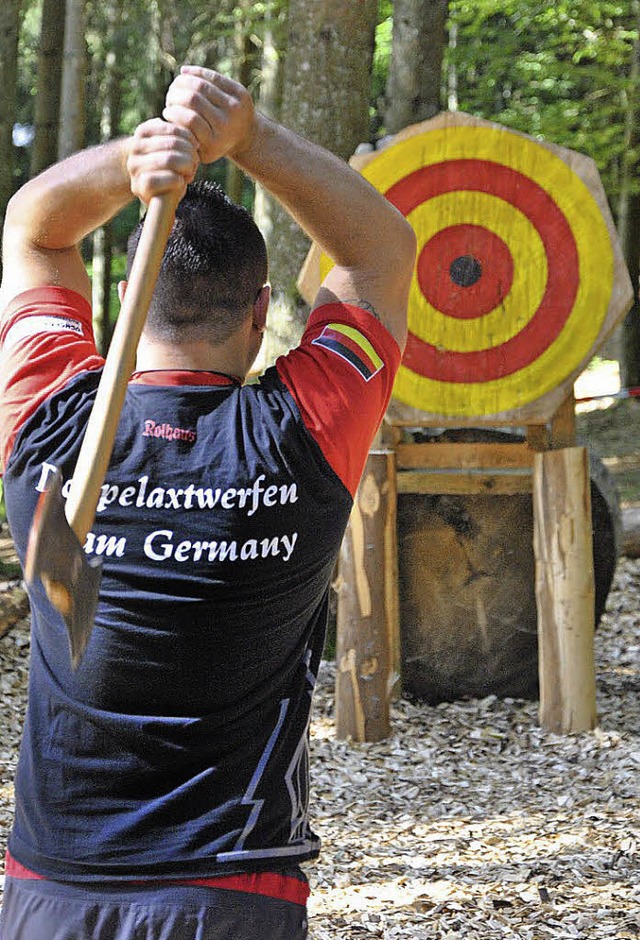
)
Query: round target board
[{"x": 514, "y": 273}]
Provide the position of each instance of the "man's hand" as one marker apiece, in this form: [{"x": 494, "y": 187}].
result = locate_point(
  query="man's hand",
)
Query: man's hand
[
  {"x": 372, "y": 244},
  {"x": 50, "y": 215},
  {"x": 162, "y": 157},
  {"x": 218, "y": 111}
]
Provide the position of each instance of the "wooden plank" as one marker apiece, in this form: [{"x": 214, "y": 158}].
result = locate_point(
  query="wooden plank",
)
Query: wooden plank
[
  {"x": 536, "y": 412},
  {"x": 464, "y": 483},
  {"x": 481, "y": 455},
  {"x": 564, "y": 590},
  {"x": 559, "y": 432},
  {"x": 563, "y": 424},
  {"x": 367, "y": 640},
  {"x": 538, "y": 436}
]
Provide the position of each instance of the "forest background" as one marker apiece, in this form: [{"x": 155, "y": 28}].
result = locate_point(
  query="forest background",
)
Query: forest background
[
  {"x": 451, "y": 851},
  {"x": 343, "y": 73}
]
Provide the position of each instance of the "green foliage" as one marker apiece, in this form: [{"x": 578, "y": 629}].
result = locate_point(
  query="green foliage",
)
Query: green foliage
[
  {"x": 381, "y": 60},
  {"x": 118, "y": 273},
  {"x": 26, "y": 87},
  {"x": 556, "y": 71}
]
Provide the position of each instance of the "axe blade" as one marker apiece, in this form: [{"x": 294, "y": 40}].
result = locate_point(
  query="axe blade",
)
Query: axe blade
[{"x": 56, "y": 557}]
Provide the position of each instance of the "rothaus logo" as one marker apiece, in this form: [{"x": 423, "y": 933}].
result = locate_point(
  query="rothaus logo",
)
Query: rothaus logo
[{"x": 167, "y": 432}]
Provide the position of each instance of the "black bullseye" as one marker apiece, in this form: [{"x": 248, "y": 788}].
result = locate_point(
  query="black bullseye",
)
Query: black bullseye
[{"x": 465, "y": 271}]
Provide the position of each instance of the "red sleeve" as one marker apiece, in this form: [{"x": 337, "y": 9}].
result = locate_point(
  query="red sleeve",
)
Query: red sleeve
[
  {"x": 46, "y": 339},
  {"x": 341, "y": 377}
]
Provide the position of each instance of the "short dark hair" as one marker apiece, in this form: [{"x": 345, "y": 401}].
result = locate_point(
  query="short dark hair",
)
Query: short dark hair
[{"x": 213, "y": 268}]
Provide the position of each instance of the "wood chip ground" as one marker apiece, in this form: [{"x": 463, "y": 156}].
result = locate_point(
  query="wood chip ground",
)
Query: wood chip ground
[{"x": 470, "y": 822}]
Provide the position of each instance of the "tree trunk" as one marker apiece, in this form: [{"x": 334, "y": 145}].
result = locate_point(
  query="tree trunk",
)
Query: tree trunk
[
  {"x": 74, "y": 68},
  {"x": 101, "y": 287},
  {"x": 264, "y": 206},
  {"x": 629, "y": 226},
  {"x": 244, "y": 57},
  {"x": 48, "y": 82},
  {"x": 109, "y": 128},
  {"x": 327, "y": 80},
  {"x": 452, "y": 71},
  {"x": 9, "y": 32},
  {"x": 163, "y": 28},
  {"x": 269, "y": 102},
  {"x": 414, "y": 87}
]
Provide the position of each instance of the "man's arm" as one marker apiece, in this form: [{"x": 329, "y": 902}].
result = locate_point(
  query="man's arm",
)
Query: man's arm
[
  {"x": 48, "y": 217},
  {"x": 371, "y": 243},
  {"x": 45, "y": 336}
]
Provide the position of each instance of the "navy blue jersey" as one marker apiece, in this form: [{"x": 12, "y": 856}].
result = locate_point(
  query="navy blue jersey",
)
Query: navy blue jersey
[{"x": 179, "y": 747}]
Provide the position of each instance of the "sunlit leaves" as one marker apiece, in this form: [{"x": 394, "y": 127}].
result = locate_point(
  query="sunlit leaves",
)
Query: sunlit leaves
[{"x": 554, "y": 70}]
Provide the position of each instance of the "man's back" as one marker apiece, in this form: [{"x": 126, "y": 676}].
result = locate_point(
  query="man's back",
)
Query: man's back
[{"x": 218, "y": 528}]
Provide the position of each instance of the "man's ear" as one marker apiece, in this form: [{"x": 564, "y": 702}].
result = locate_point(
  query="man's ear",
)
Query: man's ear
[
  {"x": 260, "y": 307},
  {"x": 122, "y": 287}
]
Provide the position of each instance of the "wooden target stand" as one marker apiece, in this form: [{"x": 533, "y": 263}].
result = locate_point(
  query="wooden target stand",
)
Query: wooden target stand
[
  {"x": 519, "y": 281},
  {"x": 546, "y": 465}
]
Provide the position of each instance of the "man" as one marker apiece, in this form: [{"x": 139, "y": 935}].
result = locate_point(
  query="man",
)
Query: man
[{"x": 162, "y": 787}]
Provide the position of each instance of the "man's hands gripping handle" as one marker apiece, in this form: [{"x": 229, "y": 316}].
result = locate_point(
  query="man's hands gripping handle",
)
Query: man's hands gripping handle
[
  {"x": 217, "y": 110},
  {"x": 372, "y": 245},
  {"x": 163, "y": 158}
]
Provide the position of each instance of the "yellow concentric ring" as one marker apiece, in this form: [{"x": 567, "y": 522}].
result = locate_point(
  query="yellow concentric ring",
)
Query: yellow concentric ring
[
  {"x": 595, "y": 256},
  {"x": 529, "y": 276}
]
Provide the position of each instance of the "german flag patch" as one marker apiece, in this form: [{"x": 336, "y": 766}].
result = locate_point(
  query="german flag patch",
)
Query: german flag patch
[{"x": 352, "y": 346}]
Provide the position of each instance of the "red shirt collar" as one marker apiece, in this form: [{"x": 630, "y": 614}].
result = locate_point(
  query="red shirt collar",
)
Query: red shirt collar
[{"x": 183, "y": 377}]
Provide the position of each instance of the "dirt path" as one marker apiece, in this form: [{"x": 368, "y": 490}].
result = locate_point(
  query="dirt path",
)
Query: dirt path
[{"x": 470, "y": 822}]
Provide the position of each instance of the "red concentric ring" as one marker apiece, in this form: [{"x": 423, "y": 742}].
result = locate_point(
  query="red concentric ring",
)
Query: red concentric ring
[
  {"x": 477, "y": 245},
  {"x": 546, "y": 323}
]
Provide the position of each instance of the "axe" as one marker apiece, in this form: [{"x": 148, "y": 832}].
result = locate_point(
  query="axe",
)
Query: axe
[{"x": 55, "y": 552}]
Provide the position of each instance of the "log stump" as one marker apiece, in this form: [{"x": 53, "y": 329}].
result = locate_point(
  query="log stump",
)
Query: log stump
[
  {"x": 468, "y": 617},
  {"x": 565, "y": 589}
]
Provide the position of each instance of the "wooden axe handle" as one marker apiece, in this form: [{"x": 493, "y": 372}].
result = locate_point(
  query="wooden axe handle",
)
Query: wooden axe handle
[{"x": 95, "y": 452}]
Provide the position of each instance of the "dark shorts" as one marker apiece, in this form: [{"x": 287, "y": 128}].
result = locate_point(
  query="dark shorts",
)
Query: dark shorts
[{"x": 46, "y": 910}]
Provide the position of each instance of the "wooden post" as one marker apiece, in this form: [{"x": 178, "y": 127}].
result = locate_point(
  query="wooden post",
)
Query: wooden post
[
  {"x": 564, "y": 589},
  {"x": 559, "y": 432},
  {"x": 368, "y": 635}
]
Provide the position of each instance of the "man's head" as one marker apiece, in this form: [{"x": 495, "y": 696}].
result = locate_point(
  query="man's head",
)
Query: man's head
[{"x": 213, "y": 269}]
